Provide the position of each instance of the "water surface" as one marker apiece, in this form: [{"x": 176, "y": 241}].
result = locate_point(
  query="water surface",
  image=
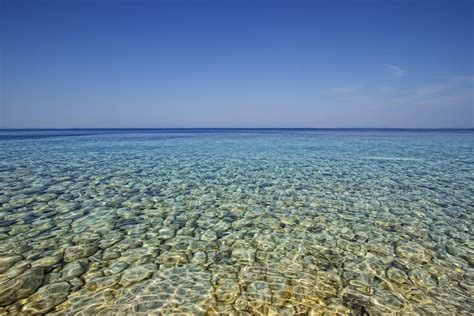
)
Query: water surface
[{"x": 274, "y": 221}]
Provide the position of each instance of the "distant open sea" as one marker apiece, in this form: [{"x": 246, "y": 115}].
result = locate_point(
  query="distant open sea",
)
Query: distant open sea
[{"x": 237, "y": 221}]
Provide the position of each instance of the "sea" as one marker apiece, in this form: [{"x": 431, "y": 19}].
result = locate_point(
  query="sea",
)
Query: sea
[{"x": 237, "y": 222}]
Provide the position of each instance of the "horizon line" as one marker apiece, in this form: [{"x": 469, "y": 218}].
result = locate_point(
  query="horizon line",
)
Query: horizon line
[{"x": 235, "y": 128}]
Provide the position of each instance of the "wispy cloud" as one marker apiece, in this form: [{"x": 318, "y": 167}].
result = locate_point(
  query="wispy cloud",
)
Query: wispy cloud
[
  {"x": 430, "y": 90},
  {"x": 396, "y": 71},
  {"x": 344, "y": 90}
]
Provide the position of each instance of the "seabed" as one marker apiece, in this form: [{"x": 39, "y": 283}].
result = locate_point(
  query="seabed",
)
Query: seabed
[{"x": 237, "y": 222}]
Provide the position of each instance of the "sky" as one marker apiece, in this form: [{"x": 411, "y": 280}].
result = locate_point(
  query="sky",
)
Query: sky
[{"x": 262, "y": 63}]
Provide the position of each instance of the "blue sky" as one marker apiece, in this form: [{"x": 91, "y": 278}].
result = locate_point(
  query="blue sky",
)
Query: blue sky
[{"x": 236, "y": 64}]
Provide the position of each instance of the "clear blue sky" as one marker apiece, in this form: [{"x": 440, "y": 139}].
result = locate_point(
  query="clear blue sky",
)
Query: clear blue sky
[{"x": 236, "y": 64}]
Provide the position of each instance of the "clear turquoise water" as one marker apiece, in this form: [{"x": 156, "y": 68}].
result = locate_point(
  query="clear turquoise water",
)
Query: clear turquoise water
[{"x": 236, "y": 222}]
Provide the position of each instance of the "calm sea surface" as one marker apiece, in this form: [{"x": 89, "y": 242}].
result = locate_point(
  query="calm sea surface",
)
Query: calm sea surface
[{"x": 116, "y": 222}]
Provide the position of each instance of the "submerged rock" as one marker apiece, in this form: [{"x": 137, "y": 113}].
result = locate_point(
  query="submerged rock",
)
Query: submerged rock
[
  {"x": 209, "y": 236},
  {"x": 76, "y": 284},
  {"x": 110, "y": 254},
  {"x": 386, "y": 301},
  {"x": 227, "y": 291},
  {"x": 137, "y": 274},
  {"x": 397, "y": 275},
  {"x": 100, "y": 283},
  {"x": 244, "y": 254},
  {"x": 259, "y": 292},
  {"x": 118, "y": 267},
  {"x": 166, "y": 233},
  {"x": 7, "y": 262},
  {"x": 421, "y": 278},
  {"x": 78, "y": 252},
  {"x": 47, "y": 298},
  {"x": 72, "y": 269},
  {"x": 48, "y": 261},
  {"x": 413, "y": 251},
  {"x": 22, "y": 286},
  {"x": 199, "y": 258},
  {"x": 18, "y": 268}
]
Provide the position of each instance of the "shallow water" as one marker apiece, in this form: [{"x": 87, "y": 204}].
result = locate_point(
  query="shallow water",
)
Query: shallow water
[{"x": 236, "y": 221}]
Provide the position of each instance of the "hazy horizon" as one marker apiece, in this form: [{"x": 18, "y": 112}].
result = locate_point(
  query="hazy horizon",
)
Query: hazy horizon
[
  {"x": 236, "y": 128},
  {"x": 251, "y": 64}
]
